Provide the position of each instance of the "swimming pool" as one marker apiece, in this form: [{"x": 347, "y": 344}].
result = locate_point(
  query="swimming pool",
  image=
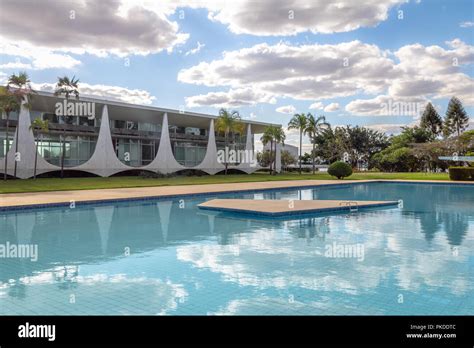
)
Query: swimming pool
[{"x": 167, "y": 256}]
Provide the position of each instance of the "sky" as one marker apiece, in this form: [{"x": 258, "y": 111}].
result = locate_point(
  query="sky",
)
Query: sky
[{"x": 372, "y": 63}]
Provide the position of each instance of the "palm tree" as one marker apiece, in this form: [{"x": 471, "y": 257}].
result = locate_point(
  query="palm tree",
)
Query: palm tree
[
  {"x": 273, "y": 135},
  {"x": 65, "y": 86},
  {"x": 43, "y": 127},
  {"x": 228, "y": 122},
  {"x": 8, "y": 104},
  {"x": 299, "y": 122},
  {"x": 20, "y": 85},
  {"x": 268, "y": 137},
  {"x": 313, "y": 127}
]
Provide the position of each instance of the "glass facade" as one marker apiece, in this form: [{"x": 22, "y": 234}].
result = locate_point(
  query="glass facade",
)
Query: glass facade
[
  {"x": 78, "y": 149},
  {"x": 189, "y": 154},
  {"x": 135, "y": 152},
  {"x": 236, "y": 143},
  {"x": 11, "y": 133},
  {"x": 131, "y": 125},
  {"x": 3, "y": 143},
  {"x": 72, "y": 120},
  {"x": 135, "y": 143}
]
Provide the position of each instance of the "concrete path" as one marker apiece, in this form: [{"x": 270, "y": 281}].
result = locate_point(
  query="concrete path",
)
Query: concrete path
[
  {"x": 56, "y": 197},
  {"x": 288, "y": 207}
]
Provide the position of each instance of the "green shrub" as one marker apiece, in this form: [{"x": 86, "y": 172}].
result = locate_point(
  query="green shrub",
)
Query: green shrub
[
  {"x": 461, "y": 173},
  {"x": 340, "y": 170}
]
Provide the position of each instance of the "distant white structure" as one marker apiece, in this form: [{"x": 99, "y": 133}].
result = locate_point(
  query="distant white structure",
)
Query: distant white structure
[{"x": 293, "y": 150}]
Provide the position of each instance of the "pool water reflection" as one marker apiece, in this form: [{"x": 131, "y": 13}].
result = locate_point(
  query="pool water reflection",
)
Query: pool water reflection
[{"x": 169, "y": 257}]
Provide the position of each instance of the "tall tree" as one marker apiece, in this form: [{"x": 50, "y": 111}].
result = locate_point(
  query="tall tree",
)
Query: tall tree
[
  {"x": 313, "y": 127},
  {"x": 228, "y": 123},
  {"x": 8, "y": 104},
  {"x": 20, "y": 86},
  {"x": 431, "y": 120},
  {"x": 299, "y": 122},
  {"x": 38, "y": 126},
  {"x": 456, "y": 119},
  {"x": 65, "y": 86}
]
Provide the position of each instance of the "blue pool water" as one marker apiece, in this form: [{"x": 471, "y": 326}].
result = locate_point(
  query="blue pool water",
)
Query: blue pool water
[{"x": 169, "y": 257}]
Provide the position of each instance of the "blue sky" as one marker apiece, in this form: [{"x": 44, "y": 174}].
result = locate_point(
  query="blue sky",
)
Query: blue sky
[{"x": 425, "y": 56}]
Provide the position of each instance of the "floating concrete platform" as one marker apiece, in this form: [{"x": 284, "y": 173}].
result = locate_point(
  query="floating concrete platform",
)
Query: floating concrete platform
[{"x": 277, "y": 208}]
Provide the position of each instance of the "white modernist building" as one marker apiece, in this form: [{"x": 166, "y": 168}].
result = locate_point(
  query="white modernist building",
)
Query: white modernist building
[{"x": 116, "y": 138}]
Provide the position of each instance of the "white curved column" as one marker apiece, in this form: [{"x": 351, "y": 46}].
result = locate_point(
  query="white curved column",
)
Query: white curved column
[
  {"x": 164, "y": 161},
  {"x": 210, "y": 164},
  {"x": 104, "y": 161},
  {"x": 246, "y": 166},
  {"x": 26, "y": 150}
]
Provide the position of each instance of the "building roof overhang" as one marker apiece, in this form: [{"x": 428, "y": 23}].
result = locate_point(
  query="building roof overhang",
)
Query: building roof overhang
[{"x": 46, "y": 102}]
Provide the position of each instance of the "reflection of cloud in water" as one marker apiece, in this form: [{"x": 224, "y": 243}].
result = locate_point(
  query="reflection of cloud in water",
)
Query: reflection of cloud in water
[
  {"x": 270, "y": 258},
  {"x": 276, "y": 306},
  {"x": 96, "y": 294}
]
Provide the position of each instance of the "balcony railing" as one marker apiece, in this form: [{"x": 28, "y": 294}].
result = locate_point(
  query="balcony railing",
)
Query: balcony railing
[{"x": 69, "y": 129}]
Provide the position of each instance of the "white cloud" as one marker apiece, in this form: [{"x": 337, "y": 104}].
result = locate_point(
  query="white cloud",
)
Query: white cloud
[
  {"x": 287, "y": 109},
  {"x": 232, "y": 98},
  {"x": 290, "y": 17},
  {"x": 87, "y": 26},
  {"x": 424, "y": 73},
  {"x": 428, "y": 61},
  {"x": 466, "y": 24},
  {"x": 140, "y": 27},
  {"x": 195, "y": 50},
  {"x": 332, "y": 107},
  {"x": 15, "y": 65},
  {"x": 317, "y": 106},
  {"x": 133, "y": 96},
  {"x": 319, "y": 72},
  {"x": 38, "y": 57},
  {"x": 384, "y": 105},
  {"x": 307, "y": 72}
]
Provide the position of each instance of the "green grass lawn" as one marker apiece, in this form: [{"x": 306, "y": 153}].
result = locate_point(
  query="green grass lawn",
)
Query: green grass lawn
[{"x": 56, "y": 184}]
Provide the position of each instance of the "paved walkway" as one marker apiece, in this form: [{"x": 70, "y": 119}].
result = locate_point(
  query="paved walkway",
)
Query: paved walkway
[
  {"x": 55, "y": 197},
  {"x": 267, "y": 207}
]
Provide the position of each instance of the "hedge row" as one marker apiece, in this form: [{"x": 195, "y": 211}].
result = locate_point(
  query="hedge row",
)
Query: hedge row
[{"x": 461, "y": 173}]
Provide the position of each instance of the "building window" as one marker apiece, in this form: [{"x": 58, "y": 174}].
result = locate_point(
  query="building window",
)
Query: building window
[
  {"x": 189, "y": 154},
  {"x": 78, "y": 149},
  {"x": 134, "y": 152}
]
